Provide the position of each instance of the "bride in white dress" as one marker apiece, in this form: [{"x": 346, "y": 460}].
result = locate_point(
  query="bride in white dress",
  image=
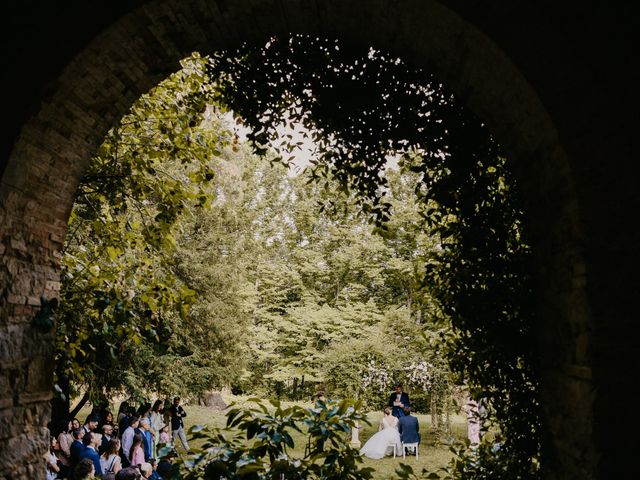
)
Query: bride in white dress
[{"x": 380, "y": 444}]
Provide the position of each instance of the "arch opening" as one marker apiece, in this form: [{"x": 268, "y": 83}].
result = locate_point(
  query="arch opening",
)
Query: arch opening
[
  {"x": 459, "y": 171},
  {"x": 25, "y": 190}
]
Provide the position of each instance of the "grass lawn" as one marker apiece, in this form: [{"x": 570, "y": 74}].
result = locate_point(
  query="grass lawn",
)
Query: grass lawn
[{"x": 431, "y": 456}]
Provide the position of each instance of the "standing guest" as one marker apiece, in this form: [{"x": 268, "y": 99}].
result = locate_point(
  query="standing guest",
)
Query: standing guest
[
  {"x": 76, "y": 448},
  {"x": 144, "y": 410},
  {"x": 120, "y": 417},
  {"x": 91, "y": 442},
  {"x": 107, "y": 435},
  {"x": 84, "y": 470},
  {"x": 107, "y": 419},
  {"x": 147, "y": 436},
  {"x": 167, "y": 412},
  {"x": 76, "y": 423},
  {"x": 65, "y": 439},
  {"x": 123, "y": 411},
  {"x": 53, "y": 467},
  {"x": 136, "y": 453},
  {"x": 483, "y": 414},
  {"x": 473, "y": 422},
  {"x": 124, "y": 418},
  {"x": 157, "y": 422},
  {"x": 398, "y": 400},
  {"x": 127, "y": 438},
  {"x": 165, "y": 438},
  {"x": 110, "y": 461},
  {"x": 90, "y": 424},
  {"x": 177, "y": 422}
]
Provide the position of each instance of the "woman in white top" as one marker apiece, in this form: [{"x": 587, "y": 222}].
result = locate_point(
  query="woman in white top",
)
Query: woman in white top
[
  {"x": 110, "y": 460},
  {"x": 156, "y": 418},
  {"x": 381, "y": 443},
  {"x": 52, "y": 460}
]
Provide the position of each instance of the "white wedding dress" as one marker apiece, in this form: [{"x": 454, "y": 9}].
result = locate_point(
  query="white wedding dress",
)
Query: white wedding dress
[{"x": 380, "y": 444}]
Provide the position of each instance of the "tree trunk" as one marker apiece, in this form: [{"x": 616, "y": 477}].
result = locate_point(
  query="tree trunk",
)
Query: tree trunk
[
  {"x": 60, "y": 405},
  {"x": 435, "y": 417},
  {"x": 79, "y": 405}
]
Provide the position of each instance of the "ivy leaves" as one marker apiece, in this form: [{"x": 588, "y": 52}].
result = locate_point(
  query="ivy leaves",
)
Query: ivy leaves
[
  {"x": 258, "y": 439},
  {"x": 362, "y": 107}
]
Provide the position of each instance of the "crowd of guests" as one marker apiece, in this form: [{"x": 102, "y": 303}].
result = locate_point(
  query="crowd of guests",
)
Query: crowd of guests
[{"x": 122, "y": 448}]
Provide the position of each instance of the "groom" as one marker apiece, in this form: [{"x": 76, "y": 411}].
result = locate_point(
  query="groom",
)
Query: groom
[
  {"x": 409, "y": 428},
  {"x": 398, "y": 401}
]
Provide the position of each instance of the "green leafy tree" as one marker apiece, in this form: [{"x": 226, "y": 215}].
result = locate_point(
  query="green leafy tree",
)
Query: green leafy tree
[{"x": 118, "y": 282}]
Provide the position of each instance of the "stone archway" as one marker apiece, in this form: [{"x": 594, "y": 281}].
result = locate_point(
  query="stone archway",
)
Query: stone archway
[{"x": 552, "y": 141}]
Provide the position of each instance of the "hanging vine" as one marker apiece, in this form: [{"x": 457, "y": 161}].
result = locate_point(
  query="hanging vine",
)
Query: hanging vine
[{"x": 360, "y": 108}]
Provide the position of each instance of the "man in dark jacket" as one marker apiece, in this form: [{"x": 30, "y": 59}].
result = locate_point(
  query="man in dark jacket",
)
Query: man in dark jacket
[
  {"x": 408, "y": 427},
  {"x": 91, "y": 442},
  {"x": 76, "y": 448},
  {"x": 177, "y": 424},
  {"x": 397, "y": 401}
]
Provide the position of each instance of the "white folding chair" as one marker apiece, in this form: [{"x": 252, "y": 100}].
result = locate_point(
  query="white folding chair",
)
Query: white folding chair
[
  {"x": 412, "y": 446},
  {"x": 392, "y": 445}
]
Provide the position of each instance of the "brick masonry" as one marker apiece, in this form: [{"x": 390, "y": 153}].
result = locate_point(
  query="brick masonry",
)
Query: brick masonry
[{"x": 504, "y": 61}]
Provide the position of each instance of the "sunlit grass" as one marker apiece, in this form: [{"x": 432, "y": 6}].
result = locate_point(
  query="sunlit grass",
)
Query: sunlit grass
[{"x": 432, "y": 455}]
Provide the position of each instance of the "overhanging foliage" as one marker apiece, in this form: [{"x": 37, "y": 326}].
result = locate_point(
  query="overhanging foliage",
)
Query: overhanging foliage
[{"x": 363, "y": 107}]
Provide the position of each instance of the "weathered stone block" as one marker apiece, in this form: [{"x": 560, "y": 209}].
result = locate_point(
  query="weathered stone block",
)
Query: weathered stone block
[
  {"x": 39, "y": 378},
  {"x": 18, "y": 244}
]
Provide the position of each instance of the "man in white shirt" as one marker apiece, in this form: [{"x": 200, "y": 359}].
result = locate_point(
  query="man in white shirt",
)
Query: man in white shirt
[{"x": 127, "y": 436}]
